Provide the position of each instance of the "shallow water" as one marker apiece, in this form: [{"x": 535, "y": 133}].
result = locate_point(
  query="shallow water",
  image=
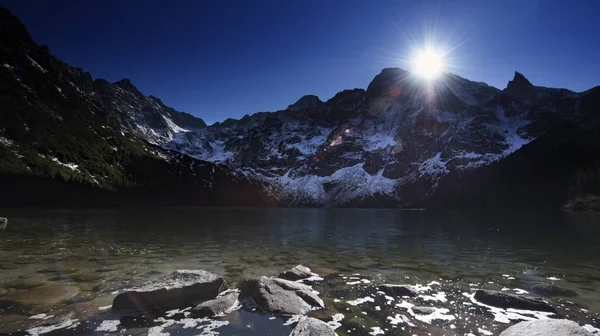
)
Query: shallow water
[{"x": 77, "y": 261}]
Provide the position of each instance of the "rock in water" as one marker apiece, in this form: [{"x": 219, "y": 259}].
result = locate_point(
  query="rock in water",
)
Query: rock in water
[
  {"x": 3, "y": 223},
  {"x": 222, "y": 304},
  {"x": 506, "y": 300},
  {"x": 312, "y": 327},
  {"x": 281, "y": 296},
  {"x": 297, "y": 273},
  {"x": 546, "y": 328},
  {"x": 423, "y": 310},
  {"x": 179, "y": 289},
  {"x": 398, "y": 290}
]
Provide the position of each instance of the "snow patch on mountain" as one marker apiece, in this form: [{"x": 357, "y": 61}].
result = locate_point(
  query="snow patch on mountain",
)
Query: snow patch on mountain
[
  {"x": 173, "y": 126},
  {"x": 433, "y": 166},
  {"x": 380, "y": 141},
  {"x": 509, "y": 128},
  {"x": 308, "y": 146},
  {"x": 343, "y": 185}
]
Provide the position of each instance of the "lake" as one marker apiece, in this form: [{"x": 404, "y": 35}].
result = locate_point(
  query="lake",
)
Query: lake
[{"x": 58, "y": 267}]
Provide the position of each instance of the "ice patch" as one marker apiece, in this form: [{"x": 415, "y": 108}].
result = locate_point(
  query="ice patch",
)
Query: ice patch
[
  {"x": 360, "y": 301},
  {"x": 363, "y": 281},
  {"x": 108, "y": 325},
  {"x": 335, "y": 322},
  {"x": 40, "y": 317},
  {"x": 400, "y": 319},
  {"x": 46, "y": 329},
  {"x": 484, "y": 332},
  {"x": 520, "y": 291},
  {"x": 440, "y": 296},
  {"x": 506, "y": 315},
  {"x": 376, "y": 331},
  {"x": 553, "y": 278},
  {"x": 438, "y": 314}
]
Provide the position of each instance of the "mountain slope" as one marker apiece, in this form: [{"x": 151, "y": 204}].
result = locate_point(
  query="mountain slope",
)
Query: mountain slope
[{"x": 58, "y": 124}]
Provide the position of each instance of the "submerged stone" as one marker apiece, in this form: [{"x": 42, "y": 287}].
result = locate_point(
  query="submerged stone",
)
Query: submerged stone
[
  {"x": 179, "y": 289},
  {"x": 545, "y": 328},
  {"x": 312, "y": 327},
  {"x": 398, "y": 290},
  {"x": 281, "y": 296},
  {"x": 44, "y": 296},
  {"x": 507, "y": 300},
  {"x": 552, "y": 290}
]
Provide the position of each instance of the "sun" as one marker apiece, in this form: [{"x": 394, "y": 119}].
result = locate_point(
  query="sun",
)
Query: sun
[{"x": 428, "y": 64}]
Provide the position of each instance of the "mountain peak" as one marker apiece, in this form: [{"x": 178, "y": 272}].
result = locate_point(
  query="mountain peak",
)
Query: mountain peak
[
  {"x": 126, "y": 84},
  {"x": 12, "y": 30},
  {"x": 520, "y": 81},
  {"x": 388, "y": 78},
  {"x": 306, "y": 101}
]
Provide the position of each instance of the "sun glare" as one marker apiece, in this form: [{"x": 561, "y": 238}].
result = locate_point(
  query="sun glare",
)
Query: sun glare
[{"x": 428, "y": 64}]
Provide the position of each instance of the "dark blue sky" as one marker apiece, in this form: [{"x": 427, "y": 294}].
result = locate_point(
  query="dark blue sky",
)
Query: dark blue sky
[{"x": 219, "y": 59}]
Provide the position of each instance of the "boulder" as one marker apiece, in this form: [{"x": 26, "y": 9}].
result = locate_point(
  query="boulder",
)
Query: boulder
[
  {"x": 221, "y": 305},
  {"x": 3, "y": 223},
  {"x": 507, "y": 300},
  {"x": 281, "y": 296},
  {"x": 297, "y": 273},
  {"x": 398, "y": 290},
  {"x": 423, "y": 310},
  {"x": 546, "y": 327},
  {"x": 179, "y": 289},
  {"x": 312, "y": 327}
]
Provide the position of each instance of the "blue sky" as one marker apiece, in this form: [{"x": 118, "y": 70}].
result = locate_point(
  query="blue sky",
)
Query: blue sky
[{"x": 220, "y": 59}]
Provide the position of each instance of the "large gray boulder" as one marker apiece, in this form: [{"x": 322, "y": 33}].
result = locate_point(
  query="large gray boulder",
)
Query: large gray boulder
[
  {"x": 3, "y": 223},
  {"x": 224, "y": 303},
  {"x": 546, "y": 328},
  {"x": 398, "y": 290},
  {"x": 507, "y": 300},
  {"x": 297, "y": 273},
  {"x": 281, "y": 296},
  {"x": 179, "y": 289},
  {"x": 312, "y": 327}
]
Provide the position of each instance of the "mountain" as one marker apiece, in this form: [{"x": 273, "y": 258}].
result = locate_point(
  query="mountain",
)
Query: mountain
[
  {"x": 67, "y": 139},
  {"x": 401, "y": 142}
]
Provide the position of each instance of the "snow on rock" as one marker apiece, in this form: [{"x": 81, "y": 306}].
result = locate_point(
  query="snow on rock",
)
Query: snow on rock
[
  {"x": 433, "y": 166},
  {"x": 108, "y": 325},
  {"x": 36, "y": 65}
]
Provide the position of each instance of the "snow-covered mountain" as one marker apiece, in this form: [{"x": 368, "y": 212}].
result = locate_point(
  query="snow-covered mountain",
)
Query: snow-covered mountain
[
  {"x": 400, "y": 133},
  {"x": 392, "y": 144}
]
